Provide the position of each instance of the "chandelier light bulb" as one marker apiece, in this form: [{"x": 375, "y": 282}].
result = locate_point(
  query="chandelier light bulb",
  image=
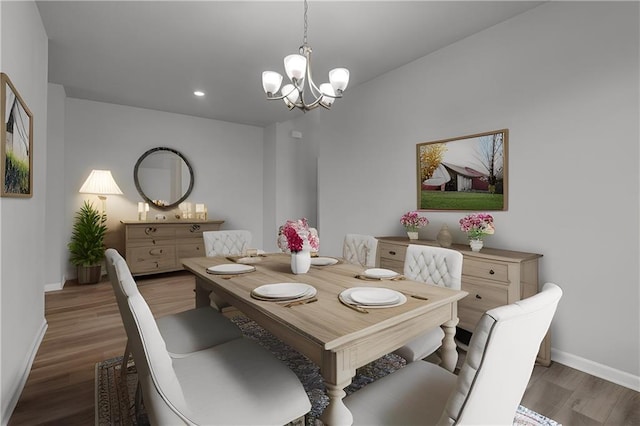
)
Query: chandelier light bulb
[
  {"x": 339, "y": 78},
  {"x": 327, "y": 89},
  {"x": 295, "y": 66},
  {"x": 290, "y": 95},
  {"x": 271, "y": 81}
]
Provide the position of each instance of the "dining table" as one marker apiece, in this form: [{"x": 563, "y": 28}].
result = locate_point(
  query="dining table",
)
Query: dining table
[{"x": 339, "y": 337}]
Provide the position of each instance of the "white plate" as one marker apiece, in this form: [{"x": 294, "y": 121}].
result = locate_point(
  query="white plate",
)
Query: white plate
[
  {"x": 283, "y": 291},
  {"x": 230, "y": 268},
  {"x": 323, "y": 261},
  {"x": 249, "y": 260},
  {"x": 375, "y": 296},
  {"x": 380, "y": 273},
  {"x": 345, "y": 296}
]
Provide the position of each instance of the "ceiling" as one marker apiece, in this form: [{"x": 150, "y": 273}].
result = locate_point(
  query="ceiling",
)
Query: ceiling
[{"x": 154, "y": 54}]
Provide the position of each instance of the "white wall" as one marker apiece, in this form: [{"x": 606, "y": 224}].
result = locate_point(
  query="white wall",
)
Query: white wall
[
  {"x": 22, "y": 220},
  {"x": 226, "y": 160},
  {"x": 563, "y": 78},
  {"x": 55, "y": 236}
]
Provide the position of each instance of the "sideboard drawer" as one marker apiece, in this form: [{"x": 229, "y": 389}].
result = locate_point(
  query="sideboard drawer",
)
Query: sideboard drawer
[
  {"x": 480, "y": 299},
  {"x": 194, "y": 230},
  {"x": 394, "y": 265},
  {"x": 393, "y": 252},
  {"x": 150, "y": 232},
  {"x": 491, "y": 270},
  {"x": 195, "y": 249},
  {"x": 151, "y": 259}
]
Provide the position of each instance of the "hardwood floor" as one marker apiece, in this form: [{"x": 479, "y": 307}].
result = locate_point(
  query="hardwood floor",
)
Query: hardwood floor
[{"x": 85, "y": 328}]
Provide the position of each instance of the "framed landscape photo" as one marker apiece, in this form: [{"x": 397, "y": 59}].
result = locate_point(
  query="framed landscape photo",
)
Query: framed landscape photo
[
  {"x": 16, "y": 140},
  {"x": 465, "y": 173}
]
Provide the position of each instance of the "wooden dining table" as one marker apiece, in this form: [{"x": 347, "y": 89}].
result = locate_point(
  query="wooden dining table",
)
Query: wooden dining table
[{"x": 337, "y": 338}]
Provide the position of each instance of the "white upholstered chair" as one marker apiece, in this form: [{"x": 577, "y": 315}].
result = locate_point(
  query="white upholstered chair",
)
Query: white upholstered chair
[
  {"x": 360, "y": 249},
  {"x": 437, "y": 266},
  {"x": 184, "y": 332},
  {"x": 224, "y": 243},
  {"x": 236, "y": 383},
  {"x": 491, "y": 382}
]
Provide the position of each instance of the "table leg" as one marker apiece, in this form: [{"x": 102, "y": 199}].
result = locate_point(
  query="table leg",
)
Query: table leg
[
  {"x": 449, "y": 354},
  {"x": 336, "y": 413},
  {"x": 202, "y": 294}
]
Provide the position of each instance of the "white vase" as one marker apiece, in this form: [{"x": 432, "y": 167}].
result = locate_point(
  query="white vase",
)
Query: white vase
[
  {"x": 476, "y": 245},
  {"x": 300, "y": 262},
  {"x": 413, "y": 235}
]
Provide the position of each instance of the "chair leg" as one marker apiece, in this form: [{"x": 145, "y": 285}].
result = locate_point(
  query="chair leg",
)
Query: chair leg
[
  {"x": 125, "y": 361},
  {"x": 138, "y": 402}
]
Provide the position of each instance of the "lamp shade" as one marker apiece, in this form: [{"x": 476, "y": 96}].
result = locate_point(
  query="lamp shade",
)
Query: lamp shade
[
  {"x": 339, "y": 78},
  {"x": 271, "y": 81},
  {"x": 100, "y": 182},
  {"x": 295, "y": 66}
]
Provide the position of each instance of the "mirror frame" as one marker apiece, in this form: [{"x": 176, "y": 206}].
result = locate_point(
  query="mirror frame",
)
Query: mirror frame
[{"x": 141, "y": 192}]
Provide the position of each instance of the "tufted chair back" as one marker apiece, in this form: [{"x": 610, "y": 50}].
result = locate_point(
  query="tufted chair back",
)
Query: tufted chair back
[
  {"x": 223, "y": 243},
  {"x": 502, "y": 353},
  {"x": 360, "y": 249},
  {"x": 161, "y": 388},
  {"x": 434, "y": 265}
]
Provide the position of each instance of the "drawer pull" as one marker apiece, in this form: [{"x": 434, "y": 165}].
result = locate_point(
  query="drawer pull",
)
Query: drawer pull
[
  {"x": 491, "y": 272},
  {"x": 194, "y": 228},
  {"x": 478, "y": 296},
  {"x": 155, "y": 252},
  {"x": 392, "y": 253},
  {"x": 150, "y": 230}
]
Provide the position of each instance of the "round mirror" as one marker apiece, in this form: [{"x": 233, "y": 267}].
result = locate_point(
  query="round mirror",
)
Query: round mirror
[{"x": 163, "y": 177}]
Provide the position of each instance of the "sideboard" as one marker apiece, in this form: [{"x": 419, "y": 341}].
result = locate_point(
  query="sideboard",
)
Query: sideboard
[
  {"x": 152, "y": 247},
  {"x": 492, "y": 277}
]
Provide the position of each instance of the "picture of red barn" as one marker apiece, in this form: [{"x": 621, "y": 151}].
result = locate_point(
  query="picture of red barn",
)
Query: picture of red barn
[{"x": 450, "y": 177}]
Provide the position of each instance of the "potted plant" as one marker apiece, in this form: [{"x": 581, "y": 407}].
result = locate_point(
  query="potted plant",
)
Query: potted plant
[
  {"x": 87, "y": 243},
  {"x": 412, "y": 221}
]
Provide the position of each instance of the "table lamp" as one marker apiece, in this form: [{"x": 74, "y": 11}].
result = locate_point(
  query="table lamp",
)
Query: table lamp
[{"x": 101, "y": 183}]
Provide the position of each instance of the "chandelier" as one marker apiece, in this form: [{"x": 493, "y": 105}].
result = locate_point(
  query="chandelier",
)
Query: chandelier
[{"x": 302, "y": 92}]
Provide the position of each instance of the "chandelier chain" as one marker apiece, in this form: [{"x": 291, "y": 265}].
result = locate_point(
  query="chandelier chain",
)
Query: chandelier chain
[{"x": 306, "y": 7}]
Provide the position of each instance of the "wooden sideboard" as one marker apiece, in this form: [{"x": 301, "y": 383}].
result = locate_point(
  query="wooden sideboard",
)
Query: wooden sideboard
[
  {"x": 492, "y": 277},
  {"x": 152, "y": 247}
]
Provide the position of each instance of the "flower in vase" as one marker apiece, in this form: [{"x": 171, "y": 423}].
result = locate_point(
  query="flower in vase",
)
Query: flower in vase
[
  {"x": 295, "y": 235},
  {"x": 477, "y": 225},
  {"x": 412, "y": 221}
]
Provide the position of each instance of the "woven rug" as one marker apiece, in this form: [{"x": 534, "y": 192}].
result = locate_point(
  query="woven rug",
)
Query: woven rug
[{"x": 115, "y": 397}]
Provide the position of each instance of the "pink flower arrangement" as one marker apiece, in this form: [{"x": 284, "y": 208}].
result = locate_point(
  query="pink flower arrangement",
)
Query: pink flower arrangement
[
  {"x": 412, "y": 221},
  {"x": 295, "y": 235},
  {"x": 477, "y": 225}
]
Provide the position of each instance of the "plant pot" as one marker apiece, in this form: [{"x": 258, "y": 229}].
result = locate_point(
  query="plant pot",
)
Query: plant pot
[
  {"x": 413, "y": 235},
  {"x": 89, "y": 274},
  {"x": 300, "y": 262}
]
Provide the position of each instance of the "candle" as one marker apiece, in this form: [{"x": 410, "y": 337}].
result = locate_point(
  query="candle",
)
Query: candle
[
  {"x": 140, "y": 207},
  {"x": 199, "y": 208}
]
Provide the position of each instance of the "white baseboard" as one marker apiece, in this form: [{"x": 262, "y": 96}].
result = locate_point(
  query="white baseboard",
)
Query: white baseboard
[
  {"x": 605, "y": 372},
  {"x": 55, "y": 286},
  {"x": 17, "y": 387}
]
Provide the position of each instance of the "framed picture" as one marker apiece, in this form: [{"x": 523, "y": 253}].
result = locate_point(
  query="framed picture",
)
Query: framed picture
[
  {"x": 16, "y": 140},
  {"x": 464, "y": 173}
]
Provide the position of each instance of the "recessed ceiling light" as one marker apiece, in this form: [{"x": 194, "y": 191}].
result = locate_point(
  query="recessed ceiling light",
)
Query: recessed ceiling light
[{"x": 198, "y": 93}]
